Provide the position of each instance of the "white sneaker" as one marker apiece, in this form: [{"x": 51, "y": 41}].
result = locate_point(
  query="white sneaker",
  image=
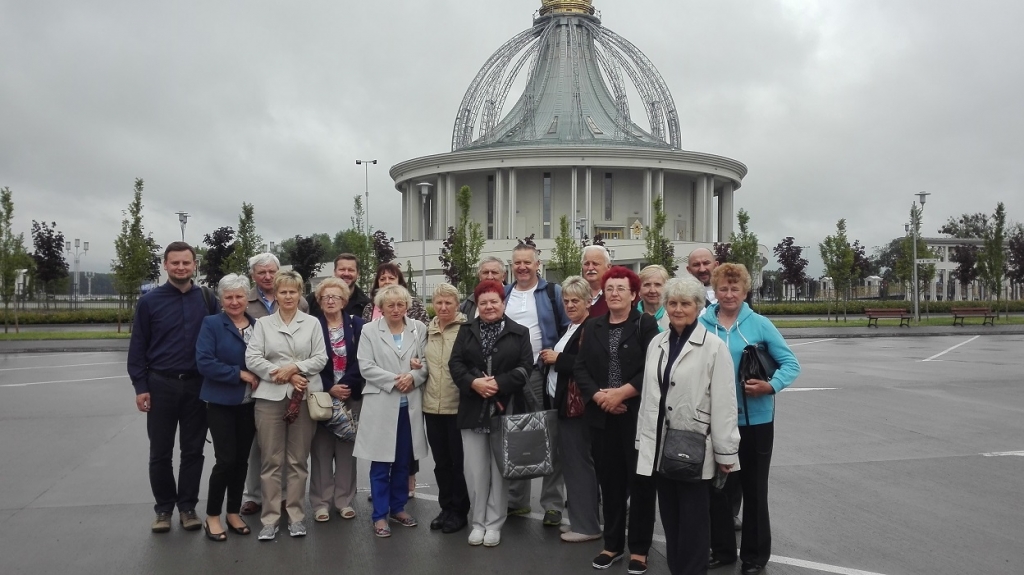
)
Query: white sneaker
[
  {"x": 476, "y": 537},
  {"x": 268, "y": 533},
  {"x": 573, "y": 537},
  {"x": 297, "y": 529},
  {"x": 565, "y": 528},
  {"x": 492, "y": 538}
]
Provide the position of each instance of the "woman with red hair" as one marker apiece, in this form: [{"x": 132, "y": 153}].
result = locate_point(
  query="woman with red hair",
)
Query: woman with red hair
[
  {"x": 490, "y": 364},
  {"x": 609, "y": 370}
]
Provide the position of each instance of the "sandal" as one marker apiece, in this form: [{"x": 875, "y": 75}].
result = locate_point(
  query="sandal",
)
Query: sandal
[
  {"x": 222, "y": 536},
  {"x": 406, "y": 521},
  {"x": 382, "y": 531},
  {"x": 347, "y": 513},
  {"x": 242, "y": 530},
  {"x": 321, "y": 516}
]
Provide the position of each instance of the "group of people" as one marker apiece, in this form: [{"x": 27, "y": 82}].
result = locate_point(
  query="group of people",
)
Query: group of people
[{"x": 622, "y": 358}]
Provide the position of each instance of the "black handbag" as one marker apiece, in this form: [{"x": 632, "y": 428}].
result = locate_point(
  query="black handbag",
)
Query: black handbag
[
  {"x": 682, "y": 452},
  {"x": 757, "y": 363}
]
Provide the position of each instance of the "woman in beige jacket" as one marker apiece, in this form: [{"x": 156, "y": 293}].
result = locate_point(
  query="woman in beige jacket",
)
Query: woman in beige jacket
[
  {"x": 286, "y": 351},
  {"x": 688, "y": 385},
  {"x": 440, "y": 406}
]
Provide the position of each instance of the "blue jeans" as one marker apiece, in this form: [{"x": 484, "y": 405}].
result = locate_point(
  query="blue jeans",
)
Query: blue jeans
[{"x": 389, "y": 482}]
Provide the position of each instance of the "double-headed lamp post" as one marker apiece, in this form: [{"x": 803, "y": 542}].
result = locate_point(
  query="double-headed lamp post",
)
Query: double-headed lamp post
[
  {"x": 77, "y": 255},
  {"x": 915, "y": 222},
  {"x": 182, "y": 219},
  {"x": 366, "y": 182},
  {"x": 424, "y": 192}
]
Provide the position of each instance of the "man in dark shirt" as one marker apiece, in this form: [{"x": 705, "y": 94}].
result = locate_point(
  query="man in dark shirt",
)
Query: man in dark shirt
[
  {"x": 162, "y": 367},
  {"x": 346, "y": 268},
  {"x": 596, "y": 262}
]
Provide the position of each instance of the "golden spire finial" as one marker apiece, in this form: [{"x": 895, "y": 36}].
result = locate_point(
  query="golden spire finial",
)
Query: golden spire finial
[{"x": 566, "y": 6}]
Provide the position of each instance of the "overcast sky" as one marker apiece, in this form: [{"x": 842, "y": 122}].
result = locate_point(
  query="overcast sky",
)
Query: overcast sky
[{"x": 839, "y": 108}]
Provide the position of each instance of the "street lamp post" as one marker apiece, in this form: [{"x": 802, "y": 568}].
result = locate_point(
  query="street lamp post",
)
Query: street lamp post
[
  {"x": 77, "y": 255},
  {"x": 182, "y": 219},
  {"x": 88, "y": 277},
  {"x": 914, "y": 224},
  {"x": 424, "y": 192},
  {"x": 366, "y": 183}
]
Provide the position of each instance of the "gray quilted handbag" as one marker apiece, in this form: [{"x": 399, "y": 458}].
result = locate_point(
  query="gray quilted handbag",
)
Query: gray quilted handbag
[{"x": 523, "y": 444}]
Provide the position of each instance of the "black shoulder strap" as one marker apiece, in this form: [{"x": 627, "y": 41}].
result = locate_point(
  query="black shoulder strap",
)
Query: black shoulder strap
[
  {"x": 550, "y": 288},
  {"x": 210, "y": 302}
]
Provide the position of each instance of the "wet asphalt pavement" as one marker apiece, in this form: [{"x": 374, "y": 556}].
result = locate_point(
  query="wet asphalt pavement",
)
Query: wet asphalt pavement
[{"x": 883, "y": 464}]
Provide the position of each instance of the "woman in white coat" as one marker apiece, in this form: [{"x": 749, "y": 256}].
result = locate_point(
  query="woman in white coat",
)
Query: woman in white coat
[
  {"x": 688, "y": 385},
  {"x": 391, "y": 432}
]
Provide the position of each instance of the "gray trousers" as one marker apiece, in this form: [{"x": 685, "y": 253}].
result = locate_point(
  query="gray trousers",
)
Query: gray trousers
[
  {"x": 284, "y": 448},
  {"x": 580, "y": 478},
  {"x": 332, "y": 469},
  {"x": 519, "y": 492},
  {"x": 488, "y": 490}
]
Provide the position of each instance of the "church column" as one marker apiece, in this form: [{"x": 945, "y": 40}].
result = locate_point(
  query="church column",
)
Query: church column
[
  {"x": 725, "y": 212},
  {"x": 709, "y": 210},
  {"x": 699, "y": 207},
  {"x": 573, "y": 184},
  {"x": 648, "y": 197},
  {"x": 588, "y": 201},
  {"x": 406, "y": 213},
  {"x": 439, "y": 208},
  {"x": 511, "y": 203},
  {"x": 499, "y": 194}
]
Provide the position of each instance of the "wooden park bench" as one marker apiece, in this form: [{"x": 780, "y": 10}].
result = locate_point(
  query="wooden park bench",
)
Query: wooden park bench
[
  {"x": 959, "y": 313},
  {"x": 874, "y": 314}
]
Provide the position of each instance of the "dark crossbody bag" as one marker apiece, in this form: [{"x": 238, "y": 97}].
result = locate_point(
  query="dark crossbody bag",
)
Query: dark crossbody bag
[{"x": 682, "y": 452}]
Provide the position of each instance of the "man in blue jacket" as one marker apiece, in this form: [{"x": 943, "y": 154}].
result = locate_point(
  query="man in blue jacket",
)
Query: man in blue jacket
[
  {"x": 162, "y": 367},
  {"x": 537, "y": 305}
]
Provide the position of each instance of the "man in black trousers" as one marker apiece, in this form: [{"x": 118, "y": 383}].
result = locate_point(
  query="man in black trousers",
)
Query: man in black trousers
[{"x": 162, "y": 367}]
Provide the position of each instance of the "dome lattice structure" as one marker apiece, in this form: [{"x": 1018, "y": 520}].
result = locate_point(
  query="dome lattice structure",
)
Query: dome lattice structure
[{"x": 575, "y": 91}]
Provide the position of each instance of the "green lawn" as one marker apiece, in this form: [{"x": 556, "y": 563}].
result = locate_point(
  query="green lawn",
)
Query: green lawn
[{"x": 57, "y": 335}]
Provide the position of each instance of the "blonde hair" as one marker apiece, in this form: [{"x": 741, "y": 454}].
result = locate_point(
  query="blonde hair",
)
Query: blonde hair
[
  {"x": 392, "y": 293},
  {"x": 576, "y": 286},
  {"x": 731, "y": 274},
  {"x": 289, "y": 277},
  {"x": 446, "y": 290},
  {"x": 654, "y": 269}
]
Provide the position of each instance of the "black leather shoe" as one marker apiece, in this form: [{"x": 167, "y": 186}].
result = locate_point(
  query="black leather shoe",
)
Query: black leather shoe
[
  {"x": 716, "y": 563},
  {"x": 439, "y": 521},
  {"x": 751, "y": 569},
  {"x": 454, "y": 523}
]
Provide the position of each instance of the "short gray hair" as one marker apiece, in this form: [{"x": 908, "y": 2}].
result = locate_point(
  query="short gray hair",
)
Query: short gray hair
[
  {"x": 332, "y": 282},
  {"x": 603, "y": 250},
  {"x": 264, "y": 259},
  {"x": 232, "y": 282},
  {"x": 490, "y": 260},
  {"x": 576, "y": 286},
  {"x": 446, "y": 290},
  {"x": 688, "y": 288},
  {"x": 392, "y": 292}
]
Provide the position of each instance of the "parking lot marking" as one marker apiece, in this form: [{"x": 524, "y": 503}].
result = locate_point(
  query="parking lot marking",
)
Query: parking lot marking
[
  {"x": 810, "y": 342},
  {"x": 941, "y": 353},
  {"x": 810, "y": 388},
  {"x": 59, "y": 366},
  {"x": 63, "y": 381},
  {"x": 819, "y": 566},
  {"x": 1004, "y": 454}
]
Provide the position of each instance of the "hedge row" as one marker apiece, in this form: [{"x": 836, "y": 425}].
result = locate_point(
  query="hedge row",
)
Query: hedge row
[
  {"x": 857, "y": 306},
  {"x": 66, "y": 317}
]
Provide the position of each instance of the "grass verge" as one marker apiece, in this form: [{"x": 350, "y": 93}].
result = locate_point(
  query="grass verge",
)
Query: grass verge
[{"x": 58, "y": 335}]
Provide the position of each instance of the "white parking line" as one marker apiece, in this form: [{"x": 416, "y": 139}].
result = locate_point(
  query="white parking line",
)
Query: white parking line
[
  {"x": 60, "y": 366},
  {"x": 941, "y": 353},
  {"x": 810, "y": 342},
  {"x": 63, "y": 381},
  {"x": 805, "y": 564},
  {"x": 810, "y": 388},
  {"x": 1004, "y": 454}
]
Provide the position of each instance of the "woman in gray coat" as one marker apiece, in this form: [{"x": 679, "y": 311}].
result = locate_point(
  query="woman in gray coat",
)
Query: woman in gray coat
[{"x": 391, "y": 425}]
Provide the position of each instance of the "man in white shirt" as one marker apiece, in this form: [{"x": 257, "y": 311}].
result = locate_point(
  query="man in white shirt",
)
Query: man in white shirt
[
  {"x": 537, "y": 305},
  {"x": 700, "y": 264}
]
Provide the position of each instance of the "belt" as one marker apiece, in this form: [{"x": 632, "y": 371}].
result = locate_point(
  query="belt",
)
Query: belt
[{"x": 179, "y": 375}]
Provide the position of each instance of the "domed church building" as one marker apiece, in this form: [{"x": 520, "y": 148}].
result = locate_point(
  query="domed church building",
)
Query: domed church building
[{"x": 567, "y": 146}]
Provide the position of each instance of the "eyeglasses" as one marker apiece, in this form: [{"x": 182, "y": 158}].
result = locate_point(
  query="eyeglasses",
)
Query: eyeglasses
[
  {"x": 333, "y": 298},
  {"x": 617, "y": 289}
]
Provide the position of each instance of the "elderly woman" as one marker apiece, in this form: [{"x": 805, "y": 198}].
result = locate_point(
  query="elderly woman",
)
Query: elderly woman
[
  {"x": 573, "y": 429},
  {"x": 609, "y": 370},
  {"x": 732, "y": 320},
  {"x": 688, "y": 387},
  {"x": 652, "y": 283},
  {"x": 490, "y": 364},
  {"x": 332, "y": 478},
  {"x": 440, "y": 410},
  {"x": 286, "y": 352},
  {"x": 227, "y": 391},
  {"x": 391, "y": 429}
]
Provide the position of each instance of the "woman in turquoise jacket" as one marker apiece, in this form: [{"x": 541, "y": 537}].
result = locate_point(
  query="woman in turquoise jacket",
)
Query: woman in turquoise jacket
[{"x": 737, "y": 325}]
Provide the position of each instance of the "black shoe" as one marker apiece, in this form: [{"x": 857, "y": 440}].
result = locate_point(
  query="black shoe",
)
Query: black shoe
[
  {"x": 439, "y": 521},
  {"x": 751, "y": 569},
  {"x": 637, "y": 567},
  {"x": 716, "y": 563},
  {"x": 604, "y": 561},
  {"x": 455, "y": 522}
]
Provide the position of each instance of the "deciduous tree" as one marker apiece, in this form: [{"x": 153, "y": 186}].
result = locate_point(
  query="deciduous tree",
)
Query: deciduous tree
[
  {"x": 567, "y": 253},
  {"x": 216, "y": 262},
  {"x": 743, "y": 247},
  {"x": 992, "y": 258},
  {"x": 837, "y": 255},
  {"x": 247, "y": 242},
  {"x": 307, "y": 257},
  {"x": 50, "y": 265},
  {"x": 659, "y": 250},
  {"x": 460, "y": 251},
  {"x": 13, "y": 256},
  {"x": 133, "y": 263},
  {"x": 790, "y": 257},
  {"x": 1015, "y": 254}
]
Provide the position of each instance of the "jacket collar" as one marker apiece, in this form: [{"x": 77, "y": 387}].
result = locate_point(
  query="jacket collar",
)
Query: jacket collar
[
  {"x": 460, "y": 318},
  {"x": 409, "y": 336}
]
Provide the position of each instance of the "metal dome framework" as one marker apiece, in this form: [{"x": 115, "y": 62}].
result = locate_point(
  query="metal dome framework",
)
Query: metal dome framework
[{"x": 572, "y": 61}]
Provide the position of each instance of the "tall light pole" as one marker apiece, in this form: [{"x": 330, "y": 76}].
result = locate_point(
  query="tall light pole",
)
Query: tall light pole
[
  {"x": 424, "y": 192},
  {"x": 915, "y": 222},
  {"x": 366, "y": 183},
  {"x": 88, "y": 277},
  {"x": 182, "y": 219},
  {"x": 77, "y": 255}
]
